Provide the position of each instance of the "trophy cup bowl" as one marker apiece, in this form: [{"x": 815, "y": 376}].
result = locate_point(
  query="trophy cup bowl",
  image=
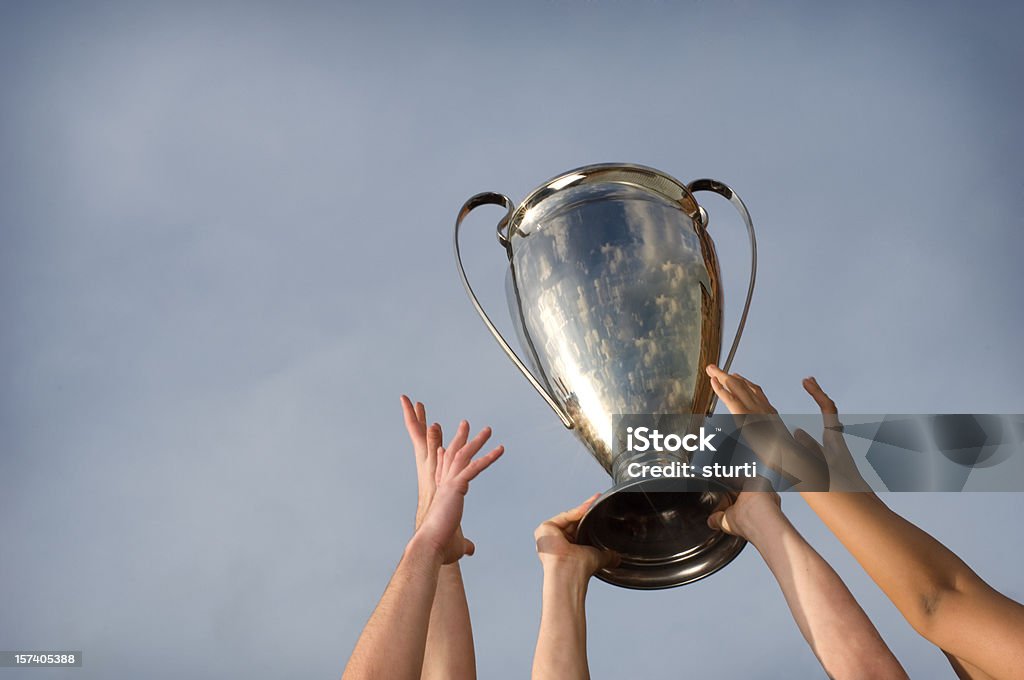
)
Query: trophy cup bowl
[{"x": 615, "y": 292}]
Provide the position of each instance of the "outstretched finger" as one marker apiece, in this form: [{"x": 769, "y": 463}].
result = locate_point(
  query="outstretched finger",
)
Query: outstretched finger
[
  {"x": 743, "y": 390},
  {"x": 480, "y": 464},
  {"x": 461, "y": 435},
  {"x": 715, "y": 372},
  {"x": 829, "y": 412},
  {"x": 735, "y": 384},
  {"x": 734, "y": 405},
  {"x": 758, "y": 399},
  {"x": 413, "y": 425},
  {"x": 433, "y": 444},
  {"x": 457, "y": 442},
  {"x": 439, "y": 466},
  {"x": 472, "y": 447}
]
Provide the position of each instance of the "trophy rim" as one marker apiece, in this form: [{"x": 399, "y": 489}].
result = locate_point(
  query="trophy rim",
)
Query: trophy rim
[{"x": 630, "y": 174}]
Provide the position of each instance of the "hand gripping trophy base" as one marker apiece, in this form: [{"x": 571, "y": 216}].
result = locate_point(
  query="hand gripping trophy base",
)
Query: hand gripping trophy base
[{"x": 660, "y": 533}]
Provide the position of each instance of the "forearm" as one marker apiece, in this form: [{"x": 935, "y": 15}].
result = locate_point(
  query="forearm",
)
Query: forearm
[
  {"x": 561, "y": 652},
  {"x": 449, "y": 651},
  {"x": 392, "y": 643},
  {"x": 834, "y": 625},
  {"x": 913, "y": 569}
]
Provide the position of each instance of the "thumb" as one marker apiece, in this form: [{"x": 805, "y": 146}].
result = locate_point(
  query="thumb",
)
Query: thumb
[
  {"x": 468, "y": 548},
  {"x": 717, "y": 521}
]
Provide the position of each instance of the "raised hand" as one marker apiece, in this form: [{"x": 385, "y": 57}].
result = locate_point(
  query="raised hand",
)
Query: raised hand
[
  {"x": 740, "y": 396},
  {"x": 761, "y": 424},
  {"x": 843, "y": 472},
  {"x": 978, "y": 628},
  {"x": 747, "y": 514},
  {"x": 421, "y": 629},
  {"x": 561, "y": 652},
  {"x": 454, "y": 469},
  {"x": 765, "y": 432},
  {"x": 556, "y": 543},
  {"x": 449, "y": 649}
]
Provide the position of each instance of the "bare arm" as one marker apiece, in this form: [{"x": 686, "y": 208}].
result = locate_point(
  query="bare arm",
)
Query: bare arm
[
  {"x": 979, "y": 629},
  {"x": 392, "y": 643},
  {"x": 449, "y": 653},
  {"x": 938, "y": 594},
  {"x": 838, "y": 631},
  {"x": 561, "y": 652}
]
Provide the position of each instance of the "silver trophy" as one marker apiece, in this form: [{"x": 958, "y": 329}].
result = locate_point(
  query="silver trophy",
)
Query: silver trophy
[{"x": 615, "y": 291}]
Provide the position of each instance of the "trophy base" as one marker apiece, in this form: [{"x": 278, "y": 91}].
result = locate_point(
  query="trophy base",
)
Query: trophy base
[{"x": 660, "y": 532}]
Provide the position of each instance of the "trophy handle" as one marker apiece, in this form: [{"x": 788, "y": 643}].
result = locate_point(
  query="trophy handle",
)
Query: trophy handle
[
  {"x": 724, "y": 191},
  {"x": 474, "y": 202}
]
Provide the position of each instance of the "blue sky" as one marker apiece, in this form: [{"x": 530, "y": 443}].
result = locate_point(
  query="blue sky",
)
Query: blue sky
[{"x": 226, "y": 251}]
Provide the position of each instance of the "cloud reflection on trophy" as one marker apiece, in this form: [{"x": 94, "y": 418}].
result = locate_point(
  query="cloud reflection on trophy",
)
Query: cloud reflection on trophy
[{"x": 615, "y": 292}]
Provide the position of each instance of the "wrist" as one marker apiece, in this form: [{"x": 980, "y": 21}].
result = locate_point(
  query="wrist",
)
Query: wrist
[
  {"x": 567, "y": 571},
  {"x": 766, "y": 527},
  {"x": 566, "y": 582},
  {"x": 421, "y": 551}
]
